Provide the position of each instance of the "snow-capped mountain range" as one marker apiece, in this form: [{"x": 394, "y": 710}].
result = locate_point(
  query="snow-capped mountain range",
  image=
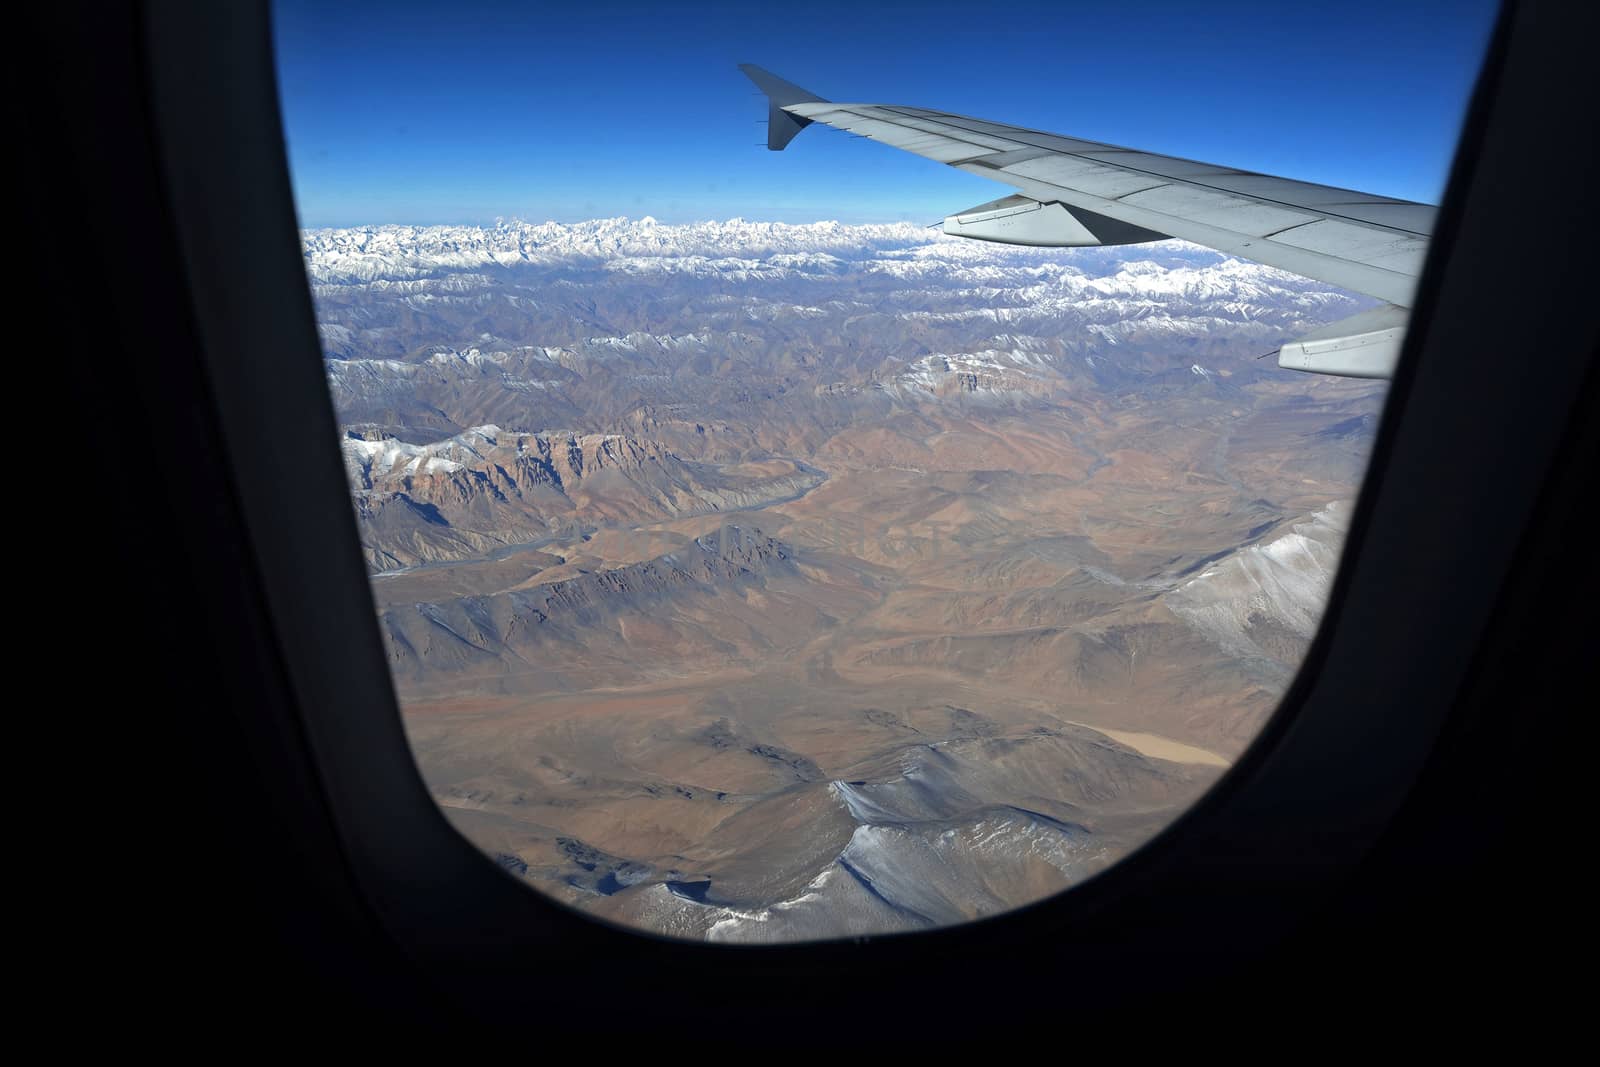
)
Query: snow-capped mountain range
[
  {"x": 437, "y": 311},
  {"x": 370, "y": 253},
  {"x": 742, "y": 250}
]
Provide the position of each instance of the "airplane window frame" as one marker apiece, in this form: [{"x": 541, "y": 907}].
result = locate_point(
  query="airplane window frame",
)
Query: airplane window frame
[{"x": 1291, "y": 799}]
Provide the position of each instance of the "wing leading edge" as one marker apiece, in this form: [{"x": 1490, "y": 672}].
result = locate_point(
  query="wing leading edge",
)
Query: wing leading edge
[{"x": 1072, "y": 192}]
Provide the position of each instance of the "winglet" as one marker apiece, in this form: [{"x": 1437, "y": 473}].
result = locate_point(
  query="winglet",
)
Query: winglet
[{"x": 781, "y": 125}]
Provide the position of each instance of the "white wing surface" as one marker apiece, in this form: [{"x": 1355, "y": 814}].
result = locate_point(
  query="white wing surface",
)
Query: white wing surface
[{"x": 1073, "y": 192}]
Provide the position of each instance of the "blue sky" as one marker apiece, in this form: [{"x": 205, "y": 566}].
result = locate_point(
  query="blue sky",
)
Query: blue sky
[{"x": 468, "y": 111}]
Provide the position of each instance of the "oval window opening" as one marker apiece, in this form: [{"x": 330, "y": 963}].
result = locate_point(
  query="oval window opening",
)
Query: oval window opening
[{"x": 758, "y": 562}]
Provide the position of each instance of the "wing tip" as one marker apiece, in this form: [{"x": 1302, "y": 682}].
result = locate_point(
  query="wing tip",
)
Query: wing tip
[
  {"x": 781, "y": 125},
  {"x": 778, "y": 90}
]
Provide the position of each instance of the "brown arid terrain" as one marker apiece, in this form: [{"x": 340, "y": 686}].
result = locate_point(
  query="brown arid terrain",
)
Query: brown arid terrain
[{"x": 840, "y": 582}]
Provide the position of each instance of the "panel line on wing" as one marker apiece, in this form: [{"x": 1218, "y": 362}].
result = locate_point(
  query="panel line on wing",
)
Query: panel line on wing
[
  {"x": 1417, "y": 217},
  {"x": 1364, "y": 242}
]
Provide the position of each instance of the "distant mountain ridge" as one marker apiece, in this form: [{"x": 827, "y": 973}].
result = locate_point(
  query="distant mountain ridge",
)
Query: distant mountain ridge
[
  {"x": 369, "y": 253},
  {"x": 623, "y": 326},
  {"x": 389, "y": 256}
]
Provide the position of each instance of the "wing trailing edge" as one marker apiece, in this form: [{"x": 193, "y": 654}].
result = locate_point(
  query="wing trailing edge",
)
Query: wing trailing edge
[
  {"x": 1021, "y": 220},
  {"x": 1363, "y": 346}
]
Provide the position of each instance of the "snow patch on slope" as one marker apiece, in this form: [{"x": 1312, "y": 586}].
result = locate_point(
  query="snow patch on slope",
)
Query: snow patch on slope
[
  {"x": 1282, "y": 583},
  {"x": 366, "y": 460}
]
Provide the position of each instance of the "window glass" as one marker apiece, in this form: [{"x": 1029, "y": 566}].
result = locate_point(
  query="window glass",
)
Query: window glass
[{"x": 755, "y": 560}]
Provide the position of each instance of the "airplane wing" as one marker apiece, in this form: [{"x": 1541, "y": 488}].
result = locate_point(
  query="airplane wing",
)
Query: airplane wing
[{"x": 1073, "y": 192}]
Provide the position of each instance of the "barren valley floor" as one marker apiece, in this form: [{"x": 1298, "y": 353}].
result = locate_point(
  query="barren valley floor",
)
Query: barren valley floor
[{"x": 895, "y": 672}]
